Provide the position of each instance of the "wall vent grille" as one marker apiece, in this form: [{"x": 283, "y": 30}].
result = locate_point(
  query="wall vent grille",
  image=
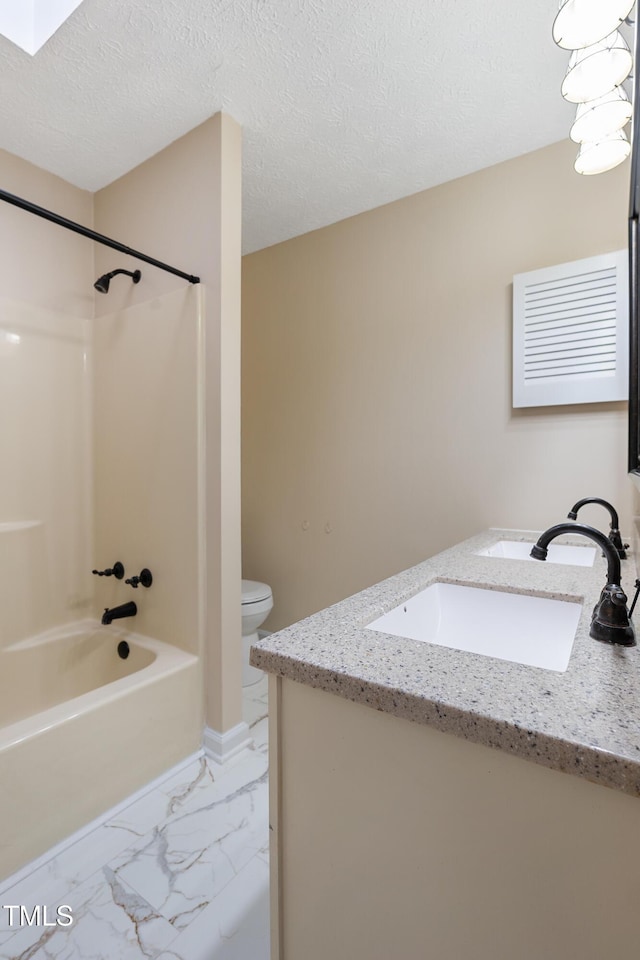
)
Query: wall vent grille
[{"x": 570, "y": 332}]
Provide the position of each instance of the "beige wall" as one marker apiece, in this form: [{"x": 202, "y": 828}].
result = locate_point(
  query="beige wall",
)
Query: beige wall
[
  {"x": 45, "y": 281},
  {"x": 41, "y": 263},
  {"x": 183, "y": 207},
  {"x": 168, "y": 208},
  {"x": 377, "y": 421}
]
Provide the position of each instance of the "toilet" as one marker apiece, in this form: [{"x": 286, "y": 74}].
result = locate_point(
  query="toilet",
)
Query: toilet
[{"x": 257, "y": 603}]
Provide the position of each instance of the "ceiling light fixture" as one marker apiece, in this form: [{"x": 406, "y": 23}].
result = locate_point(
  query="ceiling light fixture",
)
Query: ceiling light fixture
[
  {"x": 600, "y": 63},
  {"x": 580, "y": 23},
  {"x": 602, "y": 155},
  {"x": 595, "y": 70},
  {"x": 598, "y": 118}
]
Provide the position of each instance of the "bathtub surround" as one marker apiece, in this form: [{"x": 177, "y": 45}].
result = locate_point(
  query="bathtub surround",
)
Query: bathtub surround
[
  {"x": 378, "y": 426},
  {"x": 146, "y": 377},
  {"x": 154, "y": 426},
  {"x": 45, "y": 493},
  {"x": 146, "y": 459},
  {"x": 45, "y": 508}
]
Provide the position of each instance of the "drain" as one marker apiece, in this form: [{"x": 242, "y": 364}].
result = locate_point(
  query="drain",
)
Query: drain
[{"x": 123, "y": 649}]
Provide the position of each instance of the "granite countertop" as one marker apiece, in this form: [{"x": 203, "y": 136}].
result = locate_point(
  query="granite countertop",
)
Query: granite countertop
[{"x": 585, "y": 721}]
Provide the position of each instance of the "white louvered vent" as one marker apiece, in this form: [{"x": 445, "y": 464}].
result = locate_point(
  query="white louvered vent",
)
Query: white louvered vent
[{"x": 570, "y": 332}]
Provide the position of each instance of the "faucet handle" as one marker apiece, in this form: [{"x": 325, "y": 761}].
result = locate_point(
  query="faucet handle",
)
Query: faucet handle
[
  {"x": 117, "y": 571},
  {"x": 619, "y": 597},
  {"x": 145, "y": 578},
  {"x": 616, "y": 540}
]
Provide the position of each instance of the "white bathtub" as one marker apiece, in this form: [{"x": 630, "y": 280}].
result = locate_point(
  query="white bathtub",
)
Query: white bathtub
[{"x": 81, "y": 729}]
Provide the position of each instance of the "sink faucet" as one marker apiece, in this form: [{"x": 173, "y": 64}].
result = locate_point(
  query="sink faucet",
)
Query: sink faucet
[
  {"x": 614, "y": 532},
  {"x": 118, "y": 613},
  {"x": 610, "y": 620}
]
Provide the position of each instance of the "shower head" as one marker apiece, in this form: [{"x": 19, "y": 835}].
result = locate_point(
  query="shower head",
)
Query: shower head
[{"x": 102, "y": 283}]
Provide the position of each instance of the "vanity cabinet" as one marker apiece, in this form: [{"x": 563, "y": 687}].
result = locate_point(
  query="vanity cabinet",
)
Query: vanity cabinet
[
  {"x": 433, "y": 803},
  {"x": 391, "y": 839}
]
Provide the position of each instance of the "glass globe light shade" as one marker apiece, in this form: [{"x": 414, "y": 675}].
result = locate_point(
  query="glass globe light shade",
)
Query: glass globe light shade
[
  {"x": 579, "y": 23},
  {"x": 604, "y": 155},
  {"x": 597, "y": 69},
  {"x": 598, "y": 118}
]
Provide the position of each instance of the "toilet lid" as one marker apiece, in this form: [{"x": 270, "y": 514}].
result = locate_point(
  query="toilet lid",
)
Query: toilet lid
[{"x": 254, "y": 591}]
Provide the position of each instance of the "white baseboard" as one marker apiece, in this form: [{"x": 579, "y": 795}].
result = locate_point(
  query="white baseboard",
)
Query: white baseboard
[{"x": 222, "y": 746}]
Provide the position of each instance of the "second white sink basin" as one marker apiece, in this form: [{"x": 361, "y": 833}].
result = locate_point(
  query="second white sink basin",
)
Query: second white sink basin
[
  {"x": 558, "y": 553},
  {"x": 509, "y": 626}
]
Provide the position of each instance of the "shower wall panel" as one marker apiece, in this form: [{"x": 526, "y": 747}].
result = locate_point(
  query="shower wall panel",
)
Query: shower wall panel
[
  {"x": 147, "y": 413},
  {"x": 45, "y": 489}
]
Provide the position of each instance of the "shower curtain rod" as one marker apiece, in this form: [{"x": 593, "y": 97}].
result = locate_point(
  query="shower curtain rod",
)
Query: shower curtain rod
[{"x": 86, "y": 232}]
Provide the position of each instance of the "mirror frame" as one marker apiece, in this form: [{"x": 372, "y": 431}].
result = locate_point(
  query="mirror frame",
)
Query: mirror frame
[{"x": 634, "y": 272}]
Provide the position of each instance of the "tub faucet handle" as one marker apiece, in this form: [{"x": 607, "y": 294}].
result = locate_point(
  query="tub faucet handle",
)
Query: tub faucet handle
[
  {"x": 117, "y": 571},
  {"x": 145, "y": 578}
]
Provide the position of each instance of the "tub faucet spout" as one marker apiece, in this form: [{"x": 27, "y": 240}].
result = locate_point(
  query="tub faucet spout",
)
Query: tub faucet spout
[
  {"x": 610, "y": 621},
  {"x": 118, "y": 613}
]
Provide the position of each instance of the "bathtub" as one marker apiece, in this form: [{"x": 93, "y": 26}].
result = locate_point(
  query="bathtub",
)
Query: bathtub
[{"x": 81, "y": 729}]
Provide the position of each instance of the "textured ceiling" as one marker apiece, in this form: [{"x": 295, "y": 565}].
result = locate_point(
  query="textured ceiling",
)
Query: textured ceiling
[{"x": 345, "y": 104}]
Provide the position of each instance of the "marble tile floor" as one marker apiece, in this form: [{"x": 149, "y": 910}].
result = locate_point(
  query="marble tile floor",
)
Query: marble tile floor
[{"x": 182, "y": 873}]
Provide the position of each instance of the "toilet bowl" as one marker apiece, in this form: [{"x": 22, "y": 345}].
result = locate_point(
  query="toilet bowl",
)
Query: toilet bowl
[{"x": 257, "y": 603}]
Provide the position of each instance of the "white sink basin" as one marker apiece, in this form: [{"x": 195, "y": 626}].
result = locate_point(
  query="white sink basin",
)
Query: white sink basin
[
  {"x": 510, "y": 626},
  {"x": 558, "y": 553}
]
